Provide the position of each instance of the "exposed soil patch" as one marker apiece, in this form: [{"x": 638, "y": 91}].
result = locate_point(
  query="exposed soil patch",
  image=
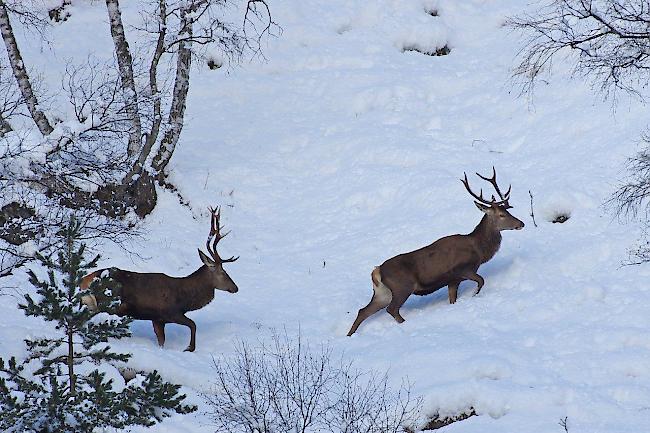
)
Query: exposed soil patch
[
  {"x": 436, "y": 421},
  {"x": 561, "y": 218},
  {"x": 442, "y": 51}
]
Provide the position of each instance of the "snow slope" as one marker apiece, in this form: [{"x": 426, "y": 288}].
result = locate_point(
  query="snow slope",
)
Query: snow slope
[{"x": 342, "y": 150}]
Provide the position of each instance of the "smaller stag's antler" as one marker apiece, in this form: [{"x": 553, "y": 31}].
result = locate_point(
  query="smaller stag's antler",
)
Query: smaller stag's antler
[
  {"x": 492, "y": 180},
  {"x": 215, "y": 236}
]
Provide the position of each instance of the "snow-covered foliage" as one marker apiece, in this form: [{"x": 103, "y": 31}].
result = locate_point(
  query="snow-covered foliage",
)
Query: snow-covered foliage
[{"x": 59, "y": 387}]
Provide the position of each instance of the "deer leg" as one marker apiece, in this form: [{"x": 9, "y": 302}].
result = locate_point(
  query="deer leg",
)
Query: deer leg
[
  {"x": 396, "y": 303},
  {"x": 184, "y": 320},
  {"x": 380, "y": 299},
  {"x": 453, "y": 291},
  {"x": 159, "y": 329},
  {"x": 475, "y": 277}
]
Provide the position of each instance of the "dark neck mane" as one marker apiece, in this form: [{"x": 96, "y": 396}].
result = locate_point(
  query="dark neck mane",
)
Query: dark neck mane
[
  {"x": 199, "y": 289},
  {"x": 488, "y": 239}
]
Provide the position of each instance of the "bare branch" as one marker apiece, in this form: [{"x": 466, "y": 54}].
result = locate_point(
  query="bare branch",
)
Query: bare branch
[
  {"x": 632, "y": 199},
  {"x": 532, "y": 211},
  {"x": 258, "y": 17},
  {"x": 564, "y": 424},
  {"x": 607, "y": 41},
  {"x": 286, "y": 385},
  {"x": 633, "y": 193}
]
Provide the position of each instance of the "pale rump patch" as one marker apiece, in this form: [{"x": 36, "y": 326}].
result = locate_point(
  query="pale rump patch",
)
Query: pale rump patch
[
  {"x": 90, "y": 301},
  {"x": 88, "y": 279},
  {"x": 382, "y": 294},
  {"x": 381, "y": 297}
]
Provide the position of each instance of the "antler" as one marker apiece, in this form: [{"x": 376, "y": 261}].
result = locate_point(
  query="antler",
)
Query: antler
[
  {"x": 215, "y": 236},
  {"x": 492, "y": 180}
]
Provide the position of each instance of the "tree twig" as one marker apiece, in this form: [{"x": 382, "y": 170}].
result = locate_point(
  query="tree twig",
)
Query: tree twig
[
  {"x": 563, "y": 424},
  {"x": 532, "y": 212}
]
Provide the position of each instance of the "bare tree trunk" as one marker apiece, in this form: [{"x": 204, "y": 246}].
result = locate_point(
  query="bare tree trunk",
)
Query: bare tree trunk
[
  {"x": 70, "y": 362},
  {"x": 18, "y": 67},
  {"x": 152, "y": 136},
  {"x": 181, "y": 87},
  {"x": 125, "y": 64}
]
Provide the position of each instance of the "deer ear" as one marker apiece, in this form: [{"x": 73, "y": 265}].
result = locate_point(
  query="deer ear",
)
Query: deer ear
[
  {"x": 482, "y": 207},
  {"x": 207, "y": 261}
]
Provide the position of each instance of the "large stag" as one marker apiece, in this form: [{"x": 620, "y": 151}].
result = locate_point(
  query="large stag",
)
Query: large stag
[
  {"x": 446, "y": 262},
  {"x": 164, "y": 299}
]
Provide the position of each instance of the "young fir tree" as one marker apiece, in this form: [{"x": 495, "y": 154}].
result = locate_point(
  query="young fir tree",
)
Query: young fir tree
[{"x": 59, "y": 387}]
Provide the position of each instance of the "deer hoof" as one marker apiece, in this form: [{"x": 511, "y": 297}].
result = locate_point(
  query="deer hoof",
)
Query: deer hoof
[{"x": 189, "y": 349}]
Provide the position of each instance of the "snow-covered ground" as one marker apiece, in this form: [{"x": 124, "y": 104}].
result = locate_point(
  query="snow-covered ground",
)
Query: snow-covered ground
[{"x": 342, "y": 150}]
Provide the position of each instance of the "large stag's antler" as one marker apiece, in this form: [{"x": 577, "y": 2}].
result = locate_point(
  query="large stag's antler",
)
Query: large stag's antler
[
  {"x": 493, "y": 180},
  {"x": 215, "y": 236}
]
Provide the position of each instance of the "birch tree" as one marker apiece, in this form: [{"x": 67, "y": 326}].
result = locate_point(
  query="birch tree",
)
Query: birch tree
[
  {"x": 18, "y": 67},
  {"x": 125, "y": 63},
  {"x": 181, "y": 30},
  {"x": 106, "y": 162}
]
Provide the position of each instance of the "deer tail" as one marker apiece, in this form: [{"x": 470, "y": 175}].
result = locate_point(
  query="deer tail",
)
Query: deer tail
[{"x": 376, "y": 276}]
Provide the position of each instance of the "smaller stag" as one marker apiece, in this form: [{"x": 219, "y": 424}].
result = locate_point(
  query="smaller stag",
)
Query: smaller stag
[
  {"x": 164, "y": 299},
  {"x": 446, "y": 262}
]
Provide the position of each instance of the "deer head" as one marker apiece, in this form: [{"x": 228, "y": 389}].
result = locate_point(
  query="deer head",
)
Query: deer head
[
  {"x": 214, "y": 263},
  {"x": 495, "y": 210}
]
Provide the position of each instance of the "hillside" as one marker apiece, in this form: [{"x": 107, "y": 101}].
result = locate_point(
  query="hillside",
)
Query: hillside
[{"x": 344, "y": 147}]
